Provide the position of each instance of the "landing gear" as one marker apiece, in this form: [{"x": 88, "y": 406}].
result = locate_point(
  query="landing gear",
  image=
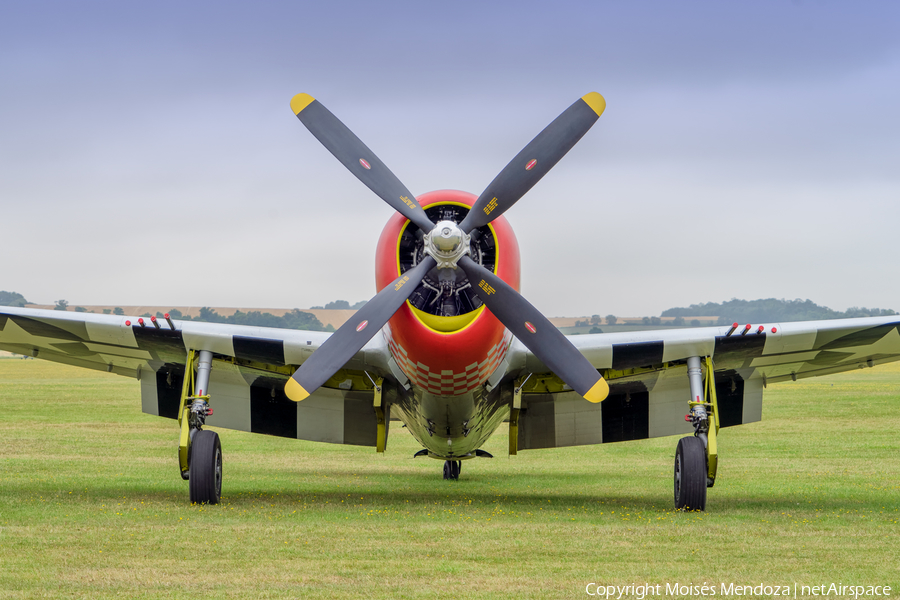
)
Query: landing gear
[
  {"x": 206, "y": 468},
  {"x": 452, "y": 469},
  {"x": 199, "y": 450},
  {"x": 696, "y": 458},
  {"x": 690, "y": 474}
]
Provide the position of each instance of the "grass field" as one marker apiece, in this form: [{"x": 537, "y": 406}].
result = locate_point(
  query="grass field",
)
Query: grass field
[{"x": 92, "y": 506}]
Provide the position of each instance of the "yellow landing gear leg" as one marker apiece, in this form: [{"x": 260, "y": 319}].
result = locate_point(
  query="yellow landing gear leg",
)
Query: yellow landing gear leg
[
  {"x": 194, "y": 405},
  {"x": 704, "y": 412},
  {"x": 712, "y": 452},
  {"x": 199, "y": 450},
  {"x": 184, "y": 416},
  {"x": 696, "y": 457},
  {"x": 380, "y": 415},
  {"x": 514, "y": 411}
]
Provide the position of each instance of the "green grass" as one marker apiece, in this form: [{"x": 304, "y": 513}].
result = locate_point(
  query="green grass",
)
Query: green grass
[{"x": 92, "y": 506}]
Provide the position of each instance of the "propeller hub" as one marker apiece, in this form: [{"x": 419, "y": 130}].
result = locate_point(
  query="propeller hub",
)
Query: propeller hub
[{"x": 447, "y": 243}]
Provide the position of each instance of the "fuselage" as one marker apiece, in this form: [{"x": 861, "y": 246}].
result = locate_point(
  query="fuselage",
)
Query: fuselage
[{"x": 443, "y": 339}]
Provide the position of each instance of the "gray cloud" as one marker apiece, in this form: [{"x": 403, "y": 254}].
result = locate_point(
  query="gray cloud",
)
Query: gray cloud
[{"x": 149, "y": 156}]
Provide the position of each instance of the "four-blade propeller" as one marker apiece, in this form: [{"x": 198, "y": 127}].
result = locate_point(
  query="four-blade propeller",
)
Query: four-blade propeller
[{"x": 506, "y": 304}]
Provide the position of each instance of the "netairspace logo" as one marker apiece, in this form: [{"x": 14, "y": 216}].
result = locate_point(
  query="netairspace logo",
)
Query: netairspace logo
[{"x": 794, "y": 590}]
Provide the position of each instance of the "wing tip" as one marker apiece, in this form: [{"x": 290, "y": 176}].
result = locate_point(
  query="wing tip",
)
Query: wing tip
[
  {"x": 299, "y": 102},
  {"x": 598, "y": 392},
  {"x": 596, "y": 102},
  {"x": 295, "y": 391}
]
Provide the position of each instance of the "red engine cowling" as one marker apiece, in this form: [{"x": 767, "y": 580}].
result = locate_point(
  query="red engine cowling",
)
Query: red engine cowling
[{"x": 446, "y": 355}]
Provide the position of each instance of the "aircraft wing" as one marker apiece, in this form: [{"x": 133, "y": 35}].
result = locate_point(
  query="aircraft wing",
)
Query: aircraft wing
[
  {"x": 649, "y": 387},
  {"x": 250, "y": 368}
]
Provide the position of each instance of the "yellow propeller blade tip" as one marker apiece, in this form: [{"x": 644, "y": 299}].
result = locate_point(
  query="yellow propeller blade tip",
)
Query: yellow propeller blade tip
[
  {"x": 295, "y": 391},
  {"x": 598, "y": 392},
  {"x": 596, "y": 102},
  {"x": 298, "y": 103}
]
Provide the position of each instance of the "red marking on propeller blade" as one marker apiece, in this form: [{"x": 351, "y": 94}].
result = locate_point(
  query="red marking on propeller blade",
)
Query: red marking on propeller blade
[
  {"x": 362, "y": 326},
  {"x": 531, "y": 164},
  {"x": 530, "y": 327},
  {"x": 365, "y": 165}
]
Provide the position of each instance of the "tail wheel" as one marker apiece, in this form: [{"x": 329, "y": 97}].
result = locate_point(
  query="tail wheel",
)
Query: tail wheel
[
  {"x": 206, "y": 468},
  {"x": 690, "y": 474},
  {"x": 452, "y": 469}
]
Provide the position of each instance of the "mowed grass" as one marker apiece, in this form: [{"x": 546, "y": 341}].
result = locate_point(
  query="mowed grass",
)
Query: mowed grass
[{"x": 92, "y": 505}]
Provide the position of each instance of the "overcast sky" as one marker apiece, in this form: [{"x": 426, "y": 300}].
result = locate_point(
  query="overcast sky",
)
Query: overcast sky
[{"x": 149, "y": 156}]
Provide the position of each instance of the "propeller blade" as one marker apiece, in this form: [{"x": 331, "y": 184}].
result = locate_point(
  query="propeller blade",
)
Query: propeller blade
[
  {"x": 536, "y": 332},
  {"x": 535, "y": 160},
  {"x": 353, "y": 335},
  {"x": 358, "y": 159}
]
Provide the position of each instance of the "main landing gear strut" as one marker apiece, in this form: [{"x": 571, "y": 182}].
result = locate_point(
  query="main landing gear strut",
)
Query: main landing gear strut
[
  {"x": 696, "y": 458},
  {"x": 199, "y": 450}
]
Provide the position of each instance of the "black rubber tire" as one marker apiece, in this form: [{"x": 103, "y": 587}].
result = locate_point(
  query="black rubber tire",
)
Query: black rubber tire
[
  {"x": 452, "y": 469},
  {"x": 206, "y": 468},
  {"x": 690, "y": 474}
]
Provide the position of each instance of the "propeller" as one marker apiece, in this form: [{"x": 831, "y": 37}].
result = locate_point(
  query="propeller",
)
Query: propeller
[
  {"x": 535, "y": 160},
  {"x": 446, "y": 245},
  {"x": 535, "y": 331},
  {"x": 353, "y": 335},
  {"x": 358, "y": 159}
]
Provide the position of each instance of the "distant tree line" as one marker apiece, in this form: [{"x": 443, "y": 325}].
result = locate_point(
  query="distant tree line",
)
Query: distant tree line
[
  {"x": 340, "y": 305},
  {"x": 295, "y": 319},
  {"x": 596, "y": 320},
  {"x": 743, "y": 311},
  {"x": 12, "y": 299},
  {"x": 769, "y": 310}
]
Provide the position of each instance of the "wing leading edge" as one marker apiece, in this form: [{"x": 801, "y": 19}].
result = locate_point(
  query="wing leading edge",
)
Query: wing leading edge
[
  {"x": 251, "y": 366},
  {"x": 646, "y": 371},
  {"x": 649, "y": 388}
]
